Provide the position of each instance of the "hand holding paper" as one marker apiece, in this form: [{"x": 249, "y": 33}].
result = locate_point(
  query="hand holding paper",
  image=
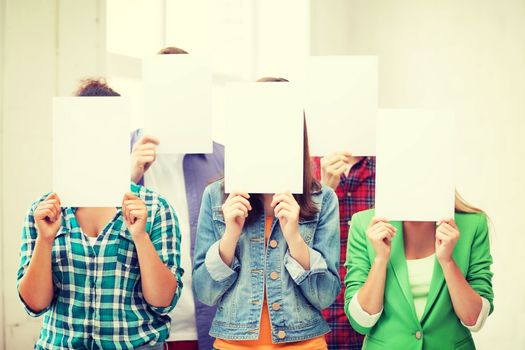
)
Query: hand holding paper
[
  {"x": 48, "y": 218},
  {"x": 142, "y": 156},
  {"x": 135, "y": 214}
]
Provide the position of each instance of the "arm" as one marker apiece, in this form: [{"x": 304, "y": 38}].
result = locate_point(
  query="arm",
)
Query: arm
[
  {"x": 468, "y": 294},
  {"x": 35, "y": 276},
  {"x": 315, "y": 268},
  {"x": 158, "y": 253},
  {"x": 215, "y": 267}
]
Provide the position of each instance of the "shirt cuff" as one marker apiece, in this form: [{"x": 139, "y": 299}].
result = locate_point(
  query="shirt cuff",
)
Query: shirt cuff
[
  {"x": 216, "y": 267},
  {"x": 31, "y": 312},
  {"x": 298, "y": 273},
  {"x": 361, "y": 316},
  {"x": 483, "y": 314}
]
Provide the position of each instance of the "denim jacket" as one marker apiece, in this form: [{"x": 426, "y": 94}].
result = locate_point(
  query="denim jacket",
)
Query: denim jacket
[{"x": 238, "y": 290}]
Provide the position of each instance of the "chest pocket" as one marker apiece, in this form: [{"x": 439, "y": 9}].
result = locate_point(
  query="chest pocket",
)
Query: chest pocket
[
  {"x": 307, "y": 228},
  {"x": 218, "y": 220},
  {"x": 127, "y": 260},
  {"x": 61, "y": 258}
]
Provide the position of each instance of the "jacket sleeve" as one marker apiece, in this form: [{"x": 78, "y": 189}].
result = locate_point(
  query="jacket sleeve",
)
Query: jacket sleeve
[
  {"x": 211, "y": 276},
  {"x": 479, "y": 274},
  {"x": 321, "y": 284},
  {"x": 357, "y": 267}
]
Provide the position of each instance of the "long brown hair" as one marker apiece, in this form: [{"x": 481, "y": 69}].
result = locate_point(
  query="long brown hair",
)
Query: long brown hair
[{"x": 310, "y": 184}]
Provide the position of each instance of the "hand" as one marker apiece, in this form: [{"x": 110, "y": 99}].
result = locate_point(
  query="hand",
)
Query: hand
[
  {"x": 235, "y": 210},
  {"x": 333, "y": 166},
  {"x": 48, "y": 218},
  {"x": 142, "y": 156},
  {"x": 135, "y": 214},
  {"x": 287, "y": 210},
  {"x": 447, "y": 234},
  {"x": 380, "y": 234}
]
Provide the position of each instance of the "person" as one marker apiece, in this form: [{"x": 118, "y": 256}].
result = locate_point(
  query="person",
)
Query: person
[
  {"x": 104, "y": 278},
  {"x": 353, "y": 180},
  {"x": 419, "y": 285},
  {"x": 181, "y": 178},
  {"x": 269, "y": 262}
]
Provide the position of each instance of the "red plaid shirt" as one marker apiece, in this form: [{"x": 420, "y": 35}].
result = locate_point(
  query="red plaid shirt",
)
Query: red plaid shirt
[{"x": 356, "y": 192}]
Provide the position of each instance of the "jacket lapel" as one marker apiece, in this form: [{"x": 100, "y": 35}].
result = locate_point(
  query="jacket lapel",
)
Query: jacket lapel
[
  {"x": 399, "y": 265},
  {"x": 436, "y": 285}
]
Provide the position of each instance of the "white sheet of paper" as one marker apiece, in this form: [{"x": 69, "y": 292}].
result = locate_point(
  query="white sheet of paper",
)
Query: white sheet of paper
[
  {"x": 91, "y": 156},
  {"x": 264, "y": 138},
  {"x": 415, "y": 175},
  {"x": 177, "y": 102},
  {"x": 341, "y": 104}
]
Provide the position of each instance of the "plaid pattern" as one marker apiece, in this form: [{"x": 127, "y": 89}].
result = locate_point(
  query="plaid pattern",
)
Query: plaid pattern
[
  {"x": 356, "y": 192},
  {"x": 98, "y": 301}
]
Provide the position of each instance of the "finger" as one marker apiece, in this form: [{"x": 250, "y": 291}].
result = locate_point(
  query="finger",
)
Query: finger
[
  {"x": 338, "y": 170},
  {"x": 283, "y": 214},
  {"x": 283, "y": 197},
  {"x": 377, "y": 219},
  {"x": 241, "y": 207},
  {"x": 242, "y": 194},
  {"x": 244, "y": 201},
  {"x": 146, "y": 160},
  {"x": 45, "y": 213},
  {"x": 148, "y": 139},
  {"x": 238, "y": 213},
  {"x": 282, "y": 206}
]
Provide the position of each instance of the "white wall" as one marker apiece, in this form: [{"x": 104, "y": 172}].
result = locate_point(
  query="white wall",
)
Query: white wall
[
  {"x": 469, "y": 56},
  {"x": 49, "y": 45},
  {"x": 2, "y": 6}
]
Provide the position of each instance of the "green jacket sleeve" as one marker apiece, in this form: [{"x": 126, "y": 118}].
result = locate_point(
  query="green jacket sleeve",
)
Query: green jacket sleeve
[
  {"x": 357, "y": 266},
  {"x": 479, "y": 275}
]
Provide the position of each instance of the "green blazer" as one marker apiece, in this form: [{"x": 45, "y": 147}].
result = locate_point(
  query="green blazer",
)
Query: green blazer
[{"x": 398, "y": 327}]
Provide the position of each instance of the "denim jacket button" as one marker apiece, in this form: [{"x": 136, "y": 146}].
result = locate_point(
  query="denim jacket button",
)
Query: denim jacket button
[
  {"x": 281, "y": 334},
  {"x": 274, "y": 275},
  {"x": 276, "y": 306},
  {"x": 273, "y": 243}
]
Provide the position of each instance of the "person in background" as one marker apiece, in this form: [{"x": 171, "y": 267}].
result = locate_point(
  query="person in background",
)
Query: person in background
[
  {"x": 181, "y": 178},
  {"x": 270, "y": 263},
  {"x": 353, "y": 180},
  {"x": 104, "y": 278},
  {"x": 419, "y": 285}
]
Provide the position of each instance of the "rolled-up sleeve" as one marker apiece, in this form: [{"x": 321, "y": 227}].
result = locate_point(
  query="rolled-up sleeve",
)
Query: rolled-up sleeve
[
  {"x": 211, "y": 276},
  {"x": 165, "y": 236},
  {"x": 29, "y": 236},
  {"x": 479, "y": 274},
  {"x": 321, "y": 284}
]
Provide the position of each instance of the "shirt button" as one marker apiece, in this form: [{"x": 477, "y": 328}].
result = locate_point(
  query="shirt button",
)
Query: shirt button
[
  {"x": 276, "y": 306},
  {"x": 274, "y": 275},
  {"x": 349, "y": 222},
  {"x": 349, "y": 194},
  {"x": 418, "y": 335},
  {"x": 273, "y": 243},
  {"x": 281, "y": 334}
]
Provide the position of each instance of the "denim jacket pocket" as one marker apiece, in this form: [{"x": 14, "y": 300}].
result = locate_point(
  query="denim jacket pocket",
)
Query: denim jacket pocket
[
  {"x": 307, "y": 228},
  {"x": 218, "y": 220}
]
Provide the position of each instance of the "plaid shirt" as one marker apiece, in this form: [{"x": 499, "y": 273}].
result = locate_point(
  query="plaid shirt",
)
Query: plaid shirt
[
  {"x": 356, "y": 192},
  {"x": 98, "y": 301}
]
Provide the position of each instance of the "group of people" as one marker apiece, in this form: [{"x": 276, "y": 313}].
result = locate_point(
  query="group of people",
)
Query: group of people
[{"x": 184, "y": 265}]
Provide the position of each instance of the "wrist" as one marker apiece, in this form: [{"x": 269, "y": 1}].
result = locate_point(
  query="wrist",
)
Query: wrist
[
  {"x": 230, "y": 238},
  {"x": 139, "y": 236},
  {"x": 295, "y": 242},
  {"x": 381, "y": 261},
  {"x": 45, "y": 242},
  {"x": 446, "y": 263}
]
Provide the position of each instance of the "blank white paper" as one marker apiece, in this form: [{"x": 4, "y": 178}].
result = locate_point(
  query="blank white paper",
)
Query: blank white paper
[
  {"x": 264, "y": 138},
  {"x": 415, "y": 171},
  {"x": 341, "y": 104},
  {"x": 91, "y": 155},
  {"x": 177, "y": 103}
]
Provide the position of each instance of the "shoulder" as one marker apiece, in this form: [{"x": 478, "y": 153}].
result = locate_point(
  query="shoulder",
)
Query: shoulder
[
  {"x": 214, "y": 192},
  {"x": 152, "y": 199},
  {"x": 471, "y": 223},
  {"x": 363, "y": 218}
]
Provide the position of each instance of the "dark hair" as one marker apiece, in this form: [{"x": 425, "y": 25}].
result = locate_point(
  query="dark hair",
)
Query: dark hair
[
  {"x": 172, "y": 50},
  {"x": 95, "y": 87},
  {"x": 310, "y": 184}
]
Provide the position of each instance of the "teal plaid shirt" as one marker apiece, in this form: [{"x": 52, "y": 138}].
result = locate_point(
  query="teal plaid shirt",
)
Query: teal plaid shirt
[{"x": 98, "y": 301}]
